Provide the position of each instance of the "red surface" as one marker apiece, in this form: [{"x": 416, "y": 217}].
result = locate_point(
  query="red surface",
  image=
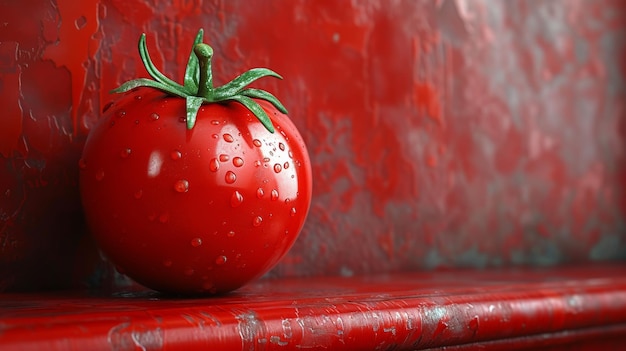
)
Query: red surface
[
  {"x": 576, "y": 307},
  {"x": 441, "y": 133}
]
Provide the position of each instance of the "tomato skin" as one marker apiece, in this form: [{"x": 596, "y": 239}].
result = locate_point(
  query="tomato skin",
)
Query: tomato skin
[{"x": 194, "y": 211}]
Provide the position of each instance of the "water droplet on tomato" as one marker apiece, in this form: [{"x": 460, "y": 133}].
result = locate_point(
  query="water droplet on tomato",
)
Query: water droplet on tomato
[
  {"x": 125, "y": 152},
  {"x": 167, "y": 263},
  {"x": 224, "y": 158},
  {"x": 121, "y": 113},
  {"x": 286, "y": 165},
  {"x": 230, "y": 177},
  {"x": 274, "y": 195},
  {"x": 231, "y": 234},
  {"x": 260, "y": 192},
  {"x": 228, "y": 138},
  {"x": 238, "y": 161},
  {"x": 220, "y": 260},
  {"x": 182, "y": 119},
  {"x": 176, "y": 155},
  {"x": 138, "y": 194},
  {"x": 281, "y": 146},
  {"x": 290, "y": 154},
  {"x": 292, "y": 212},
  {"x": 257, "y": 221},
  {"x": 214, "y": 165},
  {"x": 189, "y": 271},
  {"x": 164, "y": 217},
  {"x": 256, "y": 142},
  {"x": 181, "y": 186},
  {"x": 154, "y": 116},
  {"x": 215, "y": 136},
  {"x": 138, "y": 97},
  {"x": 82, "y": 164},
  {"x": 195, "y": 242},
  {"x": 107, "y": 107},
  {"x": 266, "y": 159},
  {"x": 236, "y": 199},
  {"x": 215, "y": 122},
  {"x": 278, "y": 168},
  {"x": 257, "y": 163},
  {"x": 100, "y": 175}
]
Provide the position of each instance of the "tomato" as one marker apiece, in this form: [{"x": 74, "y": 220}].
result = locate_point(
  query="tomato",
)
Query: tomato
[{"x": 194, "y": 198}]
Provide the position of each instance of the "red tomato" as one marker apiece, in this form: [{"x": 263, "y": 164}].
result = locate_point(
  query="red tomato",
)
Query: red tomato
[{"x": 193, "y": 210}]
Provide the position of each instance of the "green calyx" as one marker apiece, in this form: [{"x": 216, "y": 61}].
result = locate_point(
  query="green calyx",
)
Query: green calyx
[{"x": 198, "y": 84}]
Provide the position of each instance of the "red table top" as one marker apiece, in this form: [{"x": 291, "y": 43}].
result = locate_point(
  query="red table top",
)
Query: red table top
[{"x": 583, "y": 307}]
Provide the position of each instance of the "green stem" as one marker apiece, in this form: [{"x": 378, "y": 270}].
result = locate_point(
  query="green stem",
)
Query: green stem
[{"x": 205, "y": 86}]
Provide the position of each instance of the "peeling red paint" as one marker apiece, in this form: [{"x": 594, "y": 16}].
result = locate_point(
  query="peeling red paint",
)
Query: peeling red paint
[{"x": 442, "y": 133}]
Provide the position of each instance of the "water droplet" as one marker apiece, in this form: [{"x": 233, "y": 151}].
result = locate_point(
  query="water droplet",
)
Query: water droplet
[
  {"x": 238, "y": 161},
  {"x": 181, "y": 186},
  {"x": 182, "y": 119},
  {"x": 228, "y": 138},
  {"x": 154, "y": 116},
  {"x": 257, "y": 163},
  {"x": 214, "y": 165},
  {"x": 260, "y": 193},
  {"x": 281, "y": 146},
  {"x": 136, "y": 121},
  {"x": 121, "y": 113},
  {"x": 224, "y": 158},
  {"x": 215, "y": 136},
  {"x": 286, "y": 165},
  {"x": 195, "y": 242},
  {"x": 290, "y": 154},
  {"x": 231, "y": 234},
  {"x": 189, "y": 271},
  {"x": 278, "y": 168},
  {"x": 138, "y": 194},
  {"x": 164, "y": 217},
  {"x": 100, "y": 175},
  {"x": 292, "y": 212},
  {"x": 236, "y": 199},
  {"x": 230, "y": 177},
  {"x": 220, "y": 260},
  {"x": 138, "y": 97},
  {"x": 274, "y": 195},
  {"x": 256, "y": 142},
  {"x": 257, "y": 221},
  {"x": 215, "y": 122},
  {"x": 107, "y": 107},
  {"x": 82, "y": 164},
  {"x": 167, "y": 263},
  {"x": 125, "y": 152},
  {"x": 176, "y": 155}
]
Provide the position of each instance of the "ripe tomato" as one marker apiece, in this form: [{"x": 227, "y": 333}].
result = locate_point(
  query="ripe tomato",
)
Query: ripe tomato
[{"x": 201, "y": 207}]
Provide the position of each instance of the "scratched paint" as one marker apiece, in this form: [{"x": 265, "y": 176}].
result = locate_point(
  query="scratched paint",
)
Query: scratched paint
[
  {"x": 441, "y": 133},
  {"x": 581, "y": 307}
]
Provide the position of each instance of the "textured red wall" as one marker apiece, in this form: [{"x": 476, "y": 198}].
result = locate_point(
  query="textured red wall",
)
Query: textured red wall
[{"x": 441, "y": 133}]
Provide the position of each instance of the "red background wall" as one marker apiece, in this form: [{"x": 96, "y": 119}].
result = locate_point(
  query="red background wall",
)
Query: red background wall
[{"x": 441, "y": 133}]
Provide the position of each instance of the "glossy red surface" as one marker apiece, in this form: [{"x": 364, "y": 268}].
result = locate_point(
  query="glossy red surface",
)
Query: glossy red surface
[
  {"x": 198, "y": 211},
  {"x": 566, "y": 308}
]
